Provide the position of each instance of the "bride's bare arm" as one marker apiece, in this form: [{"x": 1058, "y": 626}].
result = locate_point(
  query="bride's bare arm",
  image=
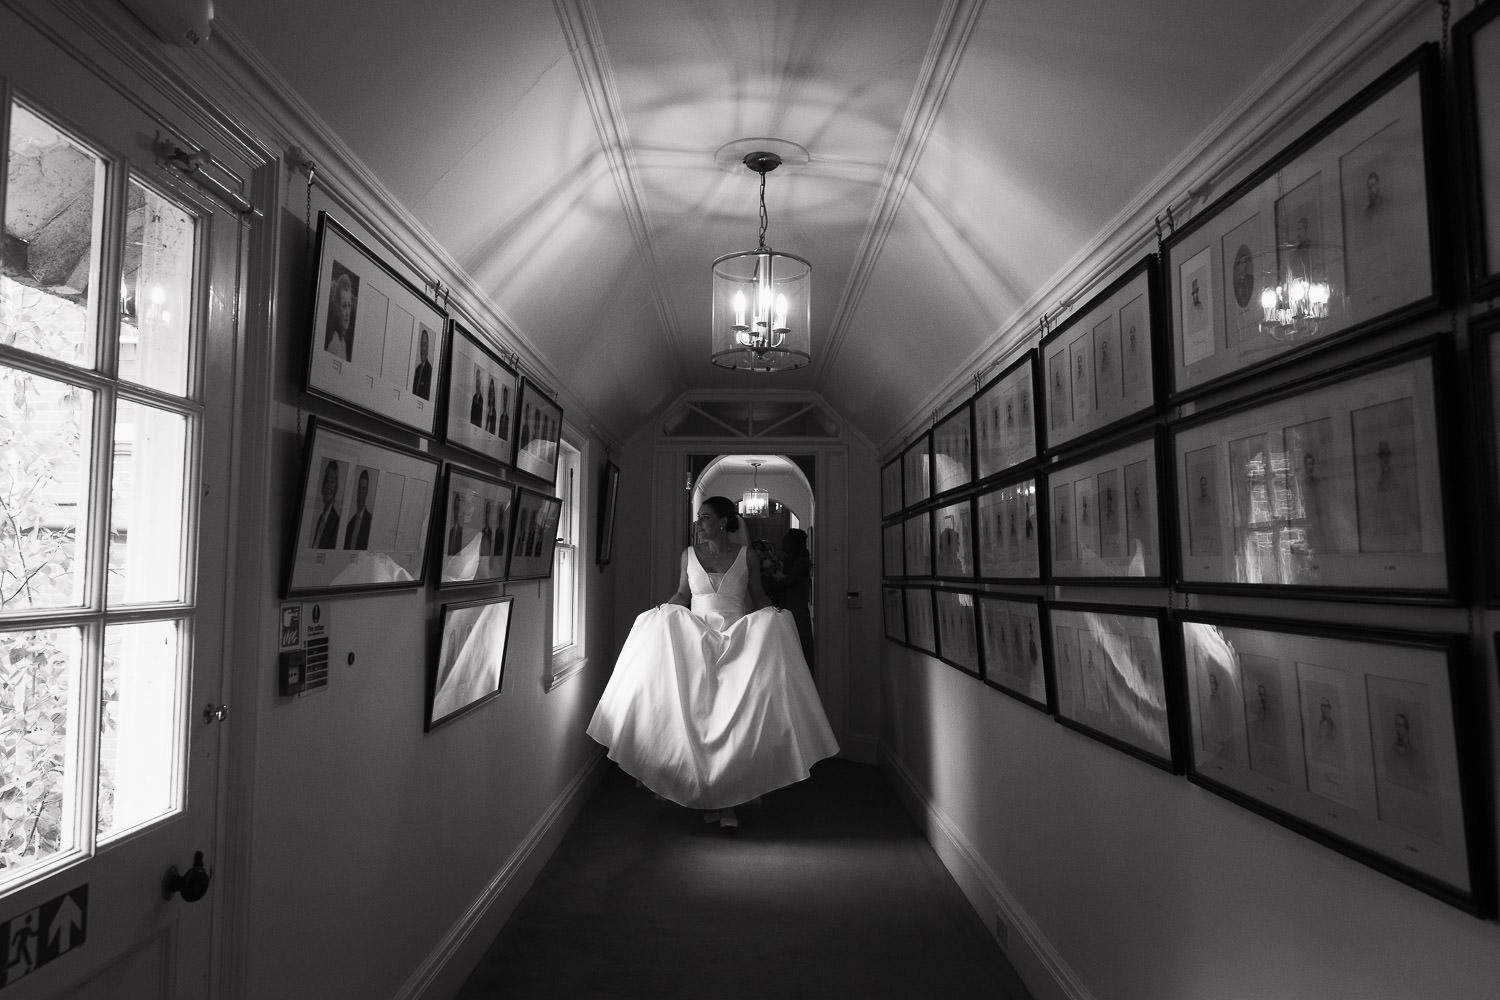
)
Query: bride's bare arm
[{"x": 684, "y": 594}]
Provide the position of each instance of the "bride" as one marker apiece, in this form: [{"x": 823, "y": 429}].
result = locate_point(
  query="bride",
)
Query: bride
[{"x": 711, "y": 704}]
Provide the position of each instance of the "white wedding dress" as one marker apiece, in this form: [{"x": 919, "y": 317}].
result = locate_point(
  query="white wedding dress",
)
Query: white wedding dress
[{"x": 713, "y": 707}]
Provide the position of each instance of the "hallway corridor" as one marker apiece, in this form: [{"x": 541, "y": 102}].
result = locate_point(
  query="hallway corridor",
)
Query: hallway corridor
[{"x": 827, "y": 890}]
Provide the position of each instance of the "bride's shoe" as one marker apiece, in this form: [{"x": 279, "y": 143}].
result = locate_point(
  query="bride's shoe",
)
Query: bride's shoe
[
  {"x": 712, "y": 817},
  {"x": 728, "y": 820}
]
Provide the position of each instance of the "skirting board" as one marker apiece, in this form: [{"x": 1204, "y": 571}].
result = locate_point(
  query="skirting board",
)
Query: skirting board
[
  {"x": 1039, "y": 965},
  {"x": 458, "y": 951}
]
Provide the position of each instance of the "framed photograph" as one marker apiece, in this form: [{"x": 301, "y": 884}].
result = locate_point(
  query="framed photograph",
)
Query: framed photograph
[
  {"x": 957, "y": 629},
  {"x": 474, "y": 524},
  {"x": 890, "y": 488},
  {"x": 482, "y": 394},
  {"x": 893, "y": 550},
  {"x": 471, "y": 658},
  {"x": 1333, "y": 486},
  {"x": 917, "y": 545},
  {"x": 1105, "y": 514},
  {"x": 363, "y": 519},
  {"x": 376, "y": 340},
  {"x": 1010, "y": 519},
  {"x": 1101, "y": 363},
  {"x": 1012, "y": 639},
  {"x": 953, "y": 450},
  {"x": 1005, "y": 424},
  {"x": 953, "y": 532},
  {"x": 1111, "y": 678},
  {"x": 916, "y": 470},
  {"x": 609, "y": 496},
  {"x": 1476, "y": 42},
  {"x": 539, "y": 428},
  {"x": 1365, "y": 740},
  {"x": 533, "y": 534},
  {"x": 921, "y": 626},
  {"x": 1335, "y": 236},
  {"x": 893, "y": 606},
  {"x": 1484, "y": 364}
]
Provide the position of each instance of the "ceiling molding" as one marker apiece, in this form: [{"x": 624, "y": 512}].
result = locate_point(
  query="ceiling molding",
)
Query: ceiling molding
[
  {"x": 950, "y": 37},
  {"x": 580, "y": 26}
]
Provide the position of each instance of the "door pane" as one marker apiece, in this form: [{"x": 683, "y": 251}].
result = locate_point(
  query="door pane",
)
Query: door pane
[
  {"x": 140, "y": 726},
  {"x": 156, "y": 286},
  {"x": 146, "y": 513},
  {"x": 45, "y": 431},
  {"x": 49, "y": 253},
  {"x": 39, "y": 670}
]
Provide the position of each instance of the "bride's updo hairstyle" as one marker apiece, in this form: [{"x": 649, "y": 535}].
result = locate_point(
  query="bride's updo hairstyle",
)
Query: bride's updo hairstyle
[{"x": 725, "y": 508}]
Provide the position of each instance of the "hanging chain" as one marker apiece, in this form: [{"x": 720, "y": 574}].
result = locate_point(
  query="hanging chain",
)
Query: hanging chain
[
  {"x": 312, "y": 174},
  {"x": 764, "y": 219},
  {"x": 1445, "y": 4}
]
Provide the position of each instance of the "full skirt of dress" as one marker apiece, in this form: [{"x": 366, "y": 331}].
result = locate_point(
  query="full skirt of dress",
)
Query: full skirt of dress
[{"x": 712, "y": 717}]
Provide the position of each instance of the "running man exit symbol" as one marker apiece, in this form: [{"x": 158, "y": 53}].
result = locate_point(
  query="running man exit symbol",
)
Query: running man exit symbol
[{"x": 40, "y": 935}]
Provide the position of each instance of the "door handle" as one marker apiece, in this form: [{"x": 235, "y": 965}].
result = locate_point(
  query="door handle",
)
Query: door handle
[{"x": 193, "y": 883}]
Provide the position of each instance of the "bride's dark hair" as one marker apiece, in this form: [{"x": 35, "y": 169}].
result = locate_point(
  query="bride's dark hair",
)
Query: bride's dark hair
[{"x": 725, "y": 508}]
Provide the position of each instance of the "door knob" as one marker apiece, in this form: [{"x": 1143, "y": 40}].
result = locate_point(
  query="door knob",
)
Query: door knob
[{"x": 193, "y": 884}]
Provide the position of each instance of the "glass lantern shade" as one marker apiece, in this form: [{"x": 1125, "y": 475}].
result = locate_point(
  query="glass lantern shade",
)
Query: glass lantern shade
[
  {"x": 762, "y": 311},
  {"x": 755, "y": 502}
]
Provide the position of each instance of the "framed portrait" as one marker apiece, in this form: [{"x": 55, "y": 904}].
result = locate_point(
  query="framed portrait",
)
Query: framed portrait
[
  {"x": 1105, "y": 522},
  {"x": 890, "y": 488},
  {"x": 916, "y": 470},
  {"x": 1010, "y": 520},
  {"x": 921, "y": 625},
  {"x": 1364, "y": 740},
  {"x": 1476, "y": 43},
  {"x": 1005, "y": 424},
  {"x": 1101, "y": 363},
  {"x": 363, "y": 517},
  {"x": 474, "y": 526},
  {"x": 1111, "y": 678},
  {"x": 538, "y": 430},
  {"x": 376, "y": 341},
  {"x": 953, "y": 450},
  {"x": 893, "y": 608},
  {"x": 953, "y": 540},
  {"x": 893, "y": 550},
  {"x": 481, "y": 402},
  {"x": 1013, "y": 644},
  {"x": 957, "y": 629},
  {"x": 470, "y": 662},
  {"x": 533, "y": 534},
  {"x": 1335, "y": 236},
  {"x": 609, "y": 496},
  {"x": 1332, "y": 486},
  {"x": 1484, "y": 364},
  {"x": 916, "y": 539}
]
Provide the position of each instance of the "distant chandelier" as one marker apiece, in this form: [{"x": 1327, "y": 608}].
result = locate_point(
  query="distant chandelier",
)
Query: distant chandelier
[
  {"x": 755, "y": 502},
  {"x": 762, "y": 299}
]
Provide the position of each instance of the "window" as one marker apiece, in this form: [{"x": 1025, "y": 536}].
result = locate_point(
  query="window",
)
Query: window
[{"x": 567, "y": 579}]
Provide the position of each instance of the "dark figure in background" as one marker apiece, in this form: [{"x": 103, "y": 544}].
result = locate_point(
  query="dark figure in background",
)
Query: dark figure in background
[{"x": 791, "y": 588}]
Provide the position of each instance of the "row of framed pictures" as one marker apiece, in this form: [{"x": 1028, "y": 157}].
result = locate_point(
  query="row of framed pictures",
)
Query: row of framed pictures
[
  {"x": 375, "y": 516},
  {"x": 383, "y": 347},
  {"x": 1364, "y": 740},
  {"x": 1331, "y": 486}
]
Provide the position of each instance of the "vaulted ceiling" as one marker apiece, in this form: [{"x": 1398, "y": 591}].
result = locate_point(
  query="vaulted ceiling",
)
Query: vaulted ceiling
[{"x": 962, "y": 155}]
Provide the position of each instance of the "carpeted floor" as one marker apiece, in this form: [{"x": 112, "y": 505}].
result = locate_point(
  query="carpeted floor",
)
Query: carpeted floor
[{"x": 827, "y": 890}]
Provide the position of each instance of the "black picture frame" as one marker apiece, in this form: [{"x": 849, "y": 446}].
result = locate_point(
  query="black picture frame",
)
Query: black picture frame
[
  {"x": 917, "y": 545},
  {"x": 473, "y": 541},
  {"x": 1101, "y": 364},
  {"x": 893, "y": 550},
  {"x": 1011, "y": 516},
  {"x": 1105, "y": 519},
  {"x": 1484, "y": 365},
  {"x": 1333, "y": 486},
  {"x": 891, "y": 501},
  {"x": 1013, "y": 645},
  {"x": 1349, "y": 207},
  {"x": 893, "y": 613},
  {"x": 480, "y": 410},
  {"x": 609, "y": 498},
  {"x": 957, "y": 629},
  {"x": 953, "y": 450},
  {"x": 533, "y": 534},
  {"x": 1114, "y": 678},
  {"x": 367, "y": 332},
  {"x": 953, "y": 540},
  {"x": 916, "y": 471},
  {"x": 348, "y": 544},
  {"x": 921, "y": 620},
  {"x": 468, "y": 667},
  {"x": 1476, "y": 47},
  {"x": 1366, "y": 740},
  {"x": 1007, "y": 433},
  {"x": 538, "y": 431}
]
